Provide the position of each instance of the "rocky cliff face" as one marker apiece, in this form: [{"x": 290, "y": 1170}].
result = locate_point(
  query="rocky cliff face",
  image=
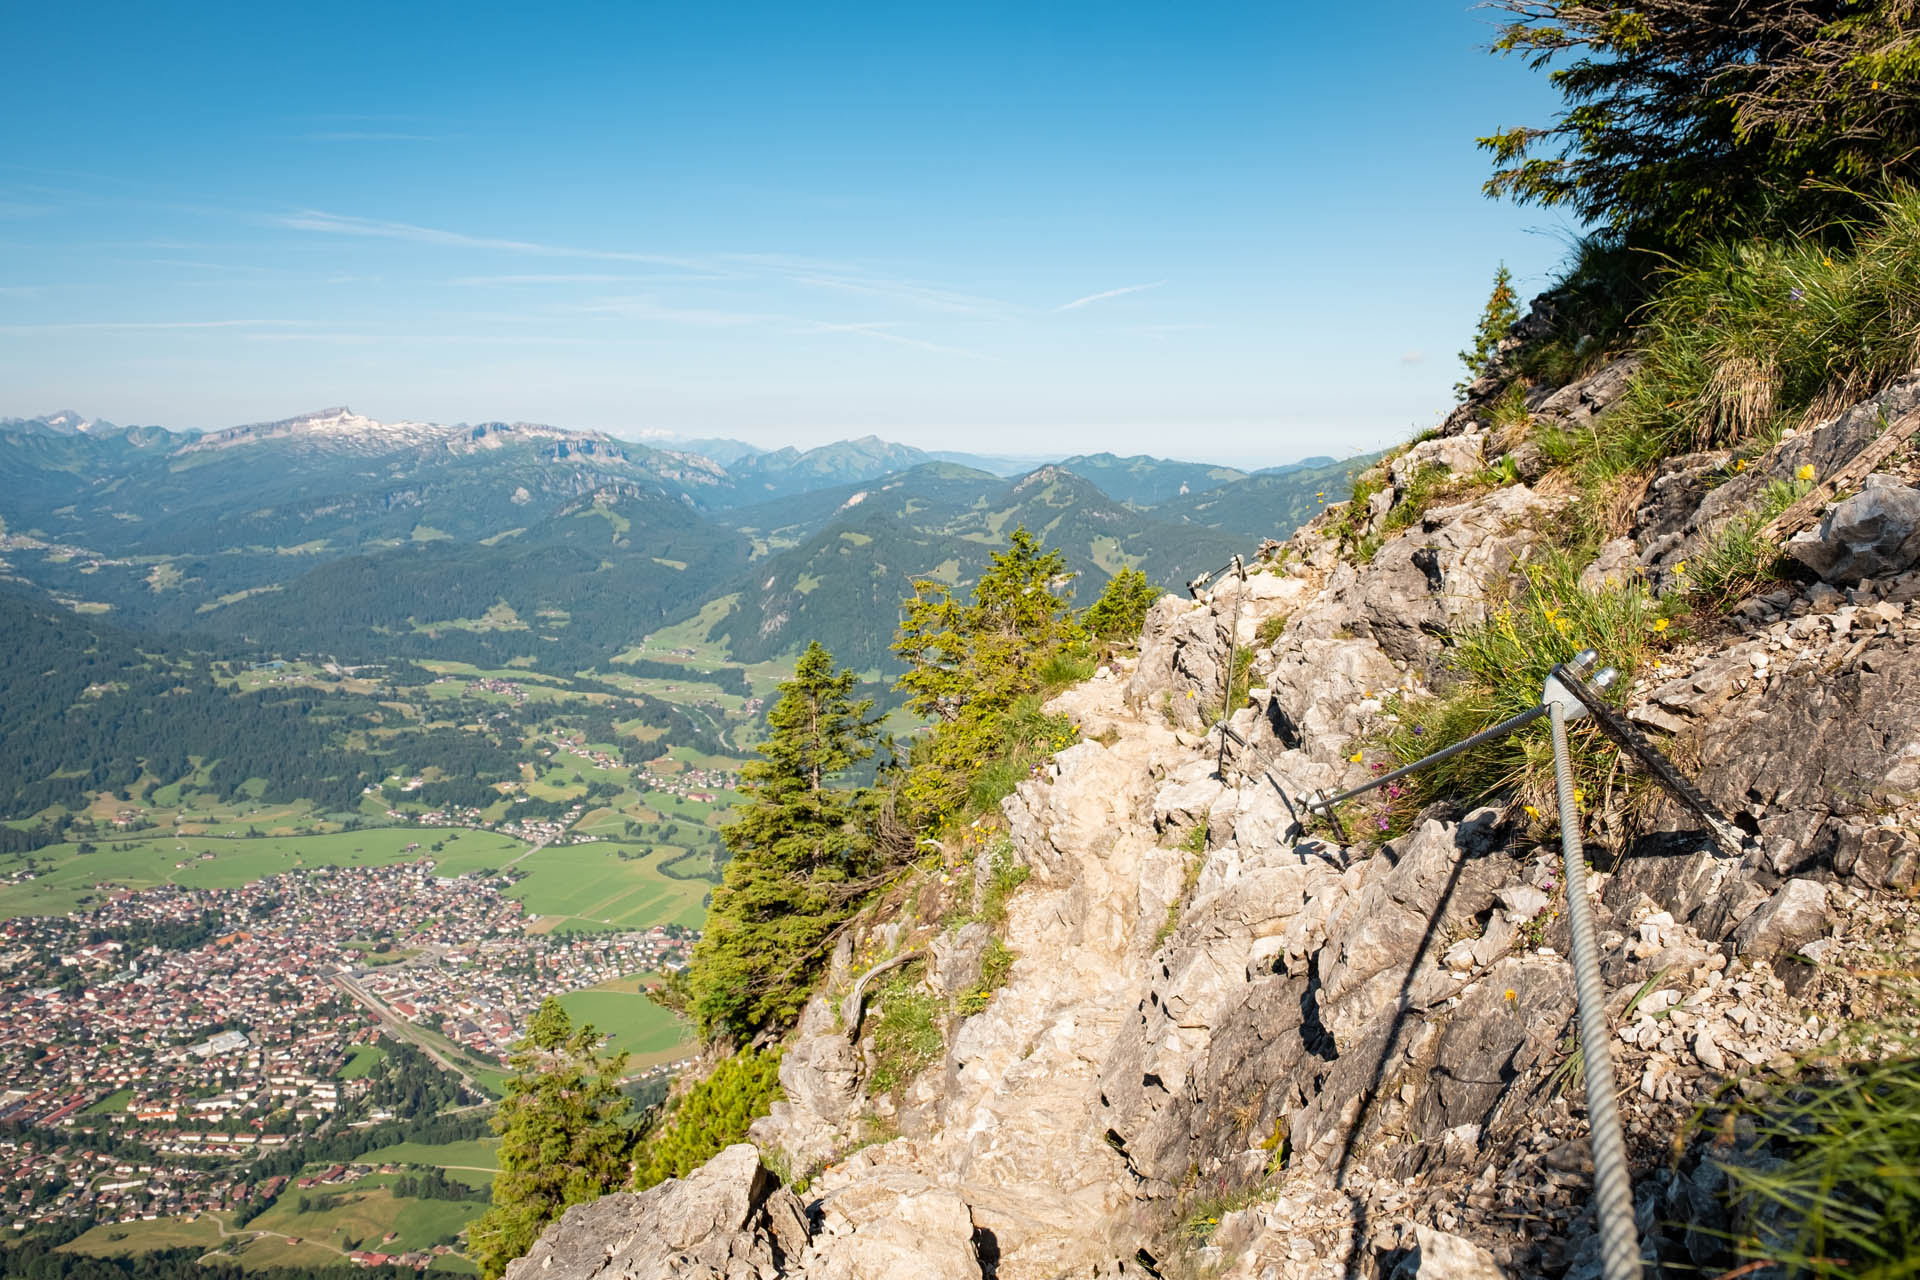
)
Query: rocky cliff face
[{"x": 1229, "y": 1044}]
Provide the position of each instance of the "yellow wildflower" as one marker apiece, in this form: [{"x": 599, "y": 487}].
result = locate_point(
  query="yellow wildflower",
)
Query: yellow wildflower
[
  {"x": 1805, "y": 472},
  {"x": 1357, "y": 757},
  {"x": 1681, "y": 568},
  {"x": 1512, "y": 994},
  {"x": 1660, "y": 624},
  {"x": 1531, "y": 811},
  {"x": 1740, "y": 465}
]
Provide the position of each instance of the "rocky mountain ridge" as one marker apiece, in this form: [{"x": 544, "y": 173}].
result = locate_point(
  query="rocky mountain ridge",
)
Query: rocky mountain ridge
[{"x": 1231, "y": 1045}]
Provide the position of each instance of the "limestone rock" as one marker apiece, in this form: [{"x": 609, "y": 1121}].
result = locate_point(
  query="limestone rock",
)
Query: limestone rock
[
  {"x": 1435, "y": 579},
  {"x": 1678, "y": 521},
  {"x": 954, "y": 957},
  {"x": 1439, "y": 1255},
  {"x": 893, "y": 1226},
  {"x": 1794, "y": 915},
  {"x": 1462, "y": 455},
  {"x": 1320, "y": 689},
  {"x": 727, "y": 1220},
  {"x": 1613, "y": 566},
  {"x": 1580, "y": 402},
  {"x": 1870, "y": 535},
  {"x": 1819, "y": 749}
]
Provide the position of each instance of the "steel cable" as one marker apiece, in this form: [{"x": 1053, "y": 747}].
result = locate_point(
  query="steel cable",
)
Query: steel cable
[{"x": 1613, "y": 1193}]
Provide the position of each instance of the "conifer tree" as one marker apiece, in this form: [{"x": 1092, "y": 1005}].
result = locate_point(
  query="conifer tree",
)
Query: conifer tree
[
  {"x": 1121, "y": 610},
  {"x": 985, "y": 653},
  {"x": 563, "y": 1140},
  {"x": 969, "y": 664},
  {"x": 1503, "y": 308},
  {"x": 801, "y": 836}
]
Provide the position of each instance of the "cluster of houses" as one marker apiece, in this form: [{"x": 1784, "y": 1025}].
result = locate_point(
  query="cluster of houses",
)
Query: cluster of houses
[
  {"x": 201, "y": 1027},
  {"x": 481, "y": 995}
]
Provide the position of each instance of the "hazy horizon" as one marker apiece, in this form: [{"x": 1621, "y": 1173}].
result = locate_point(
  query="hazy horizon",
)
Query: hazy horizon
[{"x": 1214, "y": 232}]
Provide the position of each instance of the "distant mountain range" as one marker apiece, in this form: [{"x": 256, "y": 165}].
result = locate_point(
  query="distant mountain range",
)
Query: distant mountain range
[{"x": 519, "y": 542}]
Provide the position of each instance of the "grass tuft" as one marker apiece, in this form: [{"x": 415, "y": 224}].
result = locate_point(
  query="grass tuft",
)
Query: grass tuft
[
  {"x": 906, "y": 1034},
  {"x": 1499, "y": 668},
  {"x": 1830, "y": 1184},
  {"x": 1739, "y": 562}
]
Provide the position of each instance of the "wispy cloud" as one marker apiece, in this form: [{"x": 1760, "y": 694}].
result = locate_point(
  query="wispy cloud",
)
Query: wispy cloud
[
  {"x": 133, "y": 325},
  {"x": 642, "y": 308},
  {"x": 582, "y": 277},
  {"x": 899, "y": 290},
  {"x": 1109, "y": 293},
  {"x": 17, "y": 209},
  {"x": 804, "y": 272},
  {"x": 348, "y": 225},
  {"x": 364, "y": 135},
  {"x": 883, "y": 332},
  {"x": 1412, "y": 357}
]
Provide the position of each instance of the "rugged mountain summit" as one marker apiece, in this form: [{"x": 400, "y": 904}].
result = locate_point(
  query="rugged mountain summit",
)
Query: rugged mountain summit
[{"x": 1232, "y": 1043}]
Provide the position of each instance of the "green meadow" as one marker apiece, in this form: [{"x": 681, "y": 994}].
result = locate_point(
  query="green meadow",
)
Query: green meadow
[
  {"x": 579, "y": 886},
  {"x": 631, "y": 1022}
]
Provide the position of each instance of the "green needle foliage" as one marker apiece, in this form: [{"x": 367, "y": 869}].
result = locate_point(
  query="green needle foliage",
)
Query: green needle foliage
[
  {"x": 802, "y": 849},
  {"x": 975, "y": 667},
  {"x": 712, "y": 1116},
  {"x": 1686, "y": 122},
  {"x": 1503, "y": 308},
  {"x": 563, "y": 1136},
  {"x": 1121, "y": 610}
]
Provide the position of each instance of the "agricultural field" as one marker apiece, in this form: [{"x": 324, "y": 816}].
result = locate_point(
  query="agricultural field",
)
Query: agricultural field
[
  {"x": 576, "y": 886},
  {"x": 473, "y": 1161},
  {"x": 360, "y": 1215},
  {"x": 266, "y": 1253},
  {"x": 631, "y": 1022},
  {"x": 67, "y": 879},
  {"x": 124, "y": 1239}
]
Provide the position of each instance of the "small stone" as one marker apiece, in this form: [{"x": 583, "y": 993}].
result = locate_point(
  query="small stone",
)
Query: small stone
[
  {"x": 1796, "y": 914},
  {"x": 1708, "y": 1052},
  {"x": 1822, "y": 598}
]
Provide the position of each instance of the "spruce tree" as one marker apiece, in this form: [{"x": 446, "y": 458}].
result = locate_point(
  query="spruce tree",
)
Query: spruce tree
[
  {"x": 969, "y": 665},
  {"x": 563, "y": 1140},
  {"x": 984, "y": 654},
  {"x": 798, "y": 840},
  {"x": 1503, "y": 308},
  {"x": 1121, "y": 610}
]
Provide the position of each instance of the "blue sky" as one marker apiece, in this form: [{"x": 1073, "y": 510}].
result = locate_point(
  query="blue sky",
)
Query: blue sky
[{"x": 1244, "y": 232}]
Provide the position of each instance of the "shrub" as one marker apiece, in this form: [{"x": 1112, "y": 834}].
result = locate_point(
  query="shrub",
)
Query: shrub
[
  {"x": 1121, "y": 610},
  {"x": 712, "y": 1116}
]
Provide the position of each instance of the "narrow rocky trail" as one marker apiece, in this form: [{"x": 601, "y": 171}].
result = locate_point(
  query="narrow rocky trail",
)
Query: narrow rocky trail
[{"x": 1230, "y": 1046}]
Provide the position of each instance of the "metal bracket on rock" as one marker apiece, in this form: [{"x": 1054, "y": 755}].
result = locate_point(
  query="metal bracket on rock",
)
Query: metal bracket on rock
[
  {"x": 1732, "y": 841},
  {"x": 1567, "y": 687}
]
